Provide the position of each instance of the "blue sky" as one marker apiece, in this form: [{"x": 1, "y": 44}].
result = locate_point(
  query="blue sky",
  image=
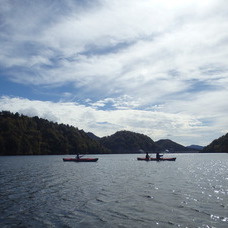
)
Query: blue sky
[{"x": 154, "y": 67}]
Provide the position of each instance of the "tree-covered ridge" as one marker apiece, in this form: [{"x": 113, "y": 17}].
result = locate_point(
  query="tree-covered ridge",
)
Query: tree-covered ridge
[
  {"x": 218, "y": 145},
  {"x": 167, "y": 144},
  {"x": 22, "y": 135},
  {"x": 129, "y": 142}
]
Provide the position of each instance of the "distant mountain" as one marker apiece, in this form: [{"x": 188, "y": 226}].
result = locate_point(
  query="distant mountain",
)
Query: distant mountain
[
  {"x": 167, "y": 144},
  {"x": 195, "y": 147},
  {"x": 129, "y": 142},
  {"x": 23, "y": 135},
  {"x": 92, "y": 136},
  {"x": 218, "y": 145}
]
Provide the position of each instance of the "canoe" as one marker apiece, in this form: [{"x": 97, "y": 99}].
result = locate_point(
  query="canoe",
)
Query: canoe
[
  {"x": 155, "y": 159},
  {"x": 143, "y": 159},
  {"x": 163, "y": 159},
  {"x": 80, "y": 159}
]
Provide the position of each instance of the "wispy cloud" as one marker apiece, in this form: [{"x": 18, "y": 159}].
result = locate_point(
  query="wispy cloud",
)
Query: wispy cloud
[{"x": 165, "y": 59}]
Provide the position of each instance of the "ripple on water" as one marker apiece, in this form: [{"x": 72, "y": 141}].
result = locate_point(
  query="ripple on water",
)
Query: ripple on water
[{"x": 117, "y": 191}]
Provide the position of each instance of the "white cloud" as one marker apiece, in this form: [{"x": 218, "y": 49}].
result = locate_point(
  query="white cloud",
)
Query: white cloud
[
  {"x": 180, "y": 127},
  {"x": 166, "y": 57},
  {"x": 161, "y": 36}
]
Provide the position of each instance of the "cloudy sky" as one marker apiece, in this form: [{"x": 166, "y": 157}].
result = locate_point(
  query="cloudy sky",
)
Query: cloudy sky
[{"x": 156, "y": 67}]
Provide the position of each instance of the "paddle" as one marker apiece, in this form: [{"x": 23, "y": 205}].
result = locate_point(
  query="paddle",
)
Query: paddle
[{"x": 80, "y": 156}]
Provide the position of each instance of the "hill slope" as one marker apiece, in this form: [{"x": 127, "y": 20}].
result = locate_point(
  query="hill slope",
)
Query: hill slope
[
  {"x": 22, "y": 135},
  {"x": 167, "y": 144},
  {"x": 128, "y": 142},
  {"x": 218, "y": 145}
]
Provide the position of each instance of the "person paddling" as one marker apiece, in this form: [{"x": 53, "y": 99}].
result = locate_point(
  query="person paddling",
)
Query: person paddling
[
  {"x": 78, "y": 157},
  {"x": 147, "y": 156},
  {"x": 158, "y": 156}
]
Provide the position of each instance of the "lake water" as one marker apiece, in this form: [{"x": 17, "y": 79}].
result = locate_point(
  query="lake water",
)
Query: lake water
[{"x": 116, "y": 191}]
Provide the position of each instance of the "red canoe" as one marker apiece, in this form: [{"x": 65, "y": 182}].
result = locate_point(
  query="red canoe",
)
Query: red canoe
[
  {"x": 155, "y": 159},
  {"x": 80, "y": 159}
]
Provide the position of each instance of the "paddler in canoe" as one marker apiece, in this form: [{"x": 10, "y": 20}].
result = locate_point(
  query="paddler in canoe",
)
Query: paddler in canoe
[
  {"x": 147, "y": 156},
  {"x": 78, "y": 156},
  {"x": 158, "y": 156}
]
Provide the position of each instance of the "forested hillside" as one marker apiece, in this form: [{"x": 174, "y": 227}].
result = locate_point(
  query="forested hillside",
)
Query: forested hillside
[
  {"x": 129, "y": 142},
  {"x": 22, "y": 135},
  {"x": 167, "y": 144},
  {"x": 218, "y": 145}
]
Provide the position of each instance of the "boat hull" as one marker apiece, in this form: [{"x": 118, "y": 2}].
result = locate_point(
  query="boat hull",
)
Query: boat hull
[
  {"x": 80, "y": 159},
  {"x": 155, "y": 159},
  {"x": 143, "y": 159}
]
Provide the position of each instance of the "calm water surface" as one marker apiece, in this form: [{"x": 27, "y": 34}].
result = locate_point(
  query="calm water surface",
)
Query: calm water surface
[{"x": 116, "y": 191}]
